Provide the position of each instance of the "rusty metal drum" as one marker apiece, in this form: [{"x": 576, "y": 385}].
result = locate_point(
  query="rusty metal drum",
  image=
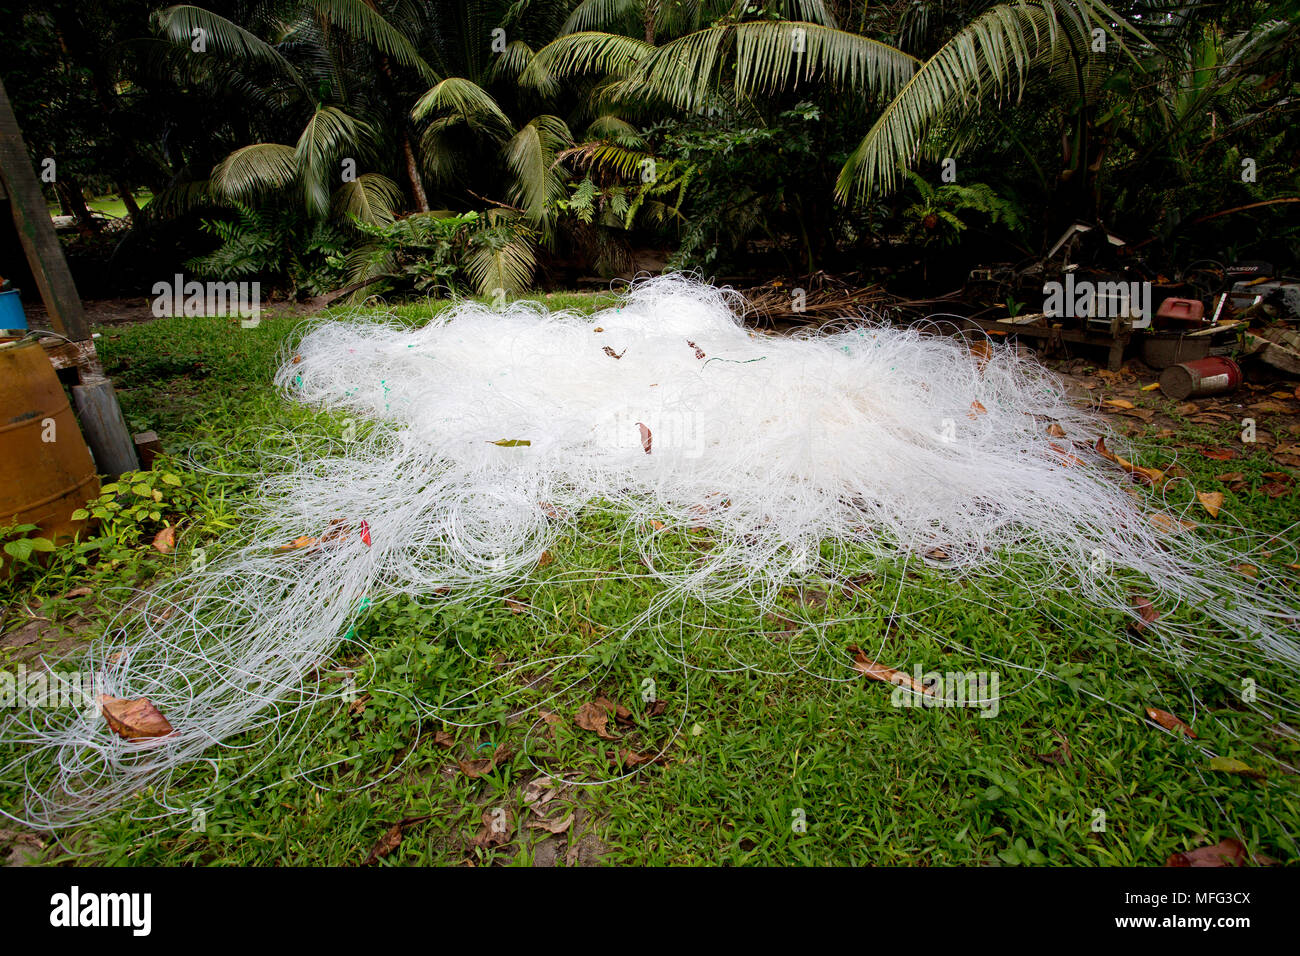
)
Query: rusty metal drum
[{"x": 46, "y": 471}]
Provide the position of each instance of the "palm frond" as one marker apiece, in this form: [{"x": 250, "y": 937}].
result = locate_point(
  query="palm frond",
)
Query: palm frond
[
  {"x": 467, "y": 100},
  {"x": 259, "y": 167},
  {"x": 588, "y": 53},
  {"x": 179, "y": 23},
  {"x": 531, "y": 158},
  {"x": 990, "y": 58},
  {"x": 606, "y": 15},
  {"x": 769, "y": 57},
  {"x": 370, "y": 198},
  {"x": 329, "y": 136},
  {"x": 362, "y": 20},
  {"x": 499, "y": 260},
  {"x": 617, "y": 130}
]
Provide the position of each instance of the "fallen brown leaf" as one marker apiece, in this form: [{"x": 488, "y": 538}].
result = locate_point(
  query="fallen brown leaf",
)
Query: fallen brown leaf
[
  {"x": 1227, "y": 852},
  {"x": 1152, "y": 476},
  {"x": 646, "y": 437},
  {"x": 485, "y": 765},
  {"x": 1169, "y": 721},
  {"x": 1147, "y": 613},
  {"x": 1055, "y": 431},
  {"x": 628, "y": 759},
  {"x": 1211, "y": 501},
  {"x": 386, "y": 844},
  {"x": 881, "y": 672},
  {"x": 164, "y": 541},
  {"x": 594, "y": 716},
  {"x": 552, "y": 826},
  {"x": 1219, "y": 454},
  {"x": 495, "y": 830},
  {"x": 135, "y": 719}
]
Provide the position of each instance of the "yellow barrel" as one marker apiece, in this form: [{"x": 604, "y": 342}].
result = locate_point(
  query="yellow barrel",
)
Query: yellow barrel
[{"x": 46, "y": 471}]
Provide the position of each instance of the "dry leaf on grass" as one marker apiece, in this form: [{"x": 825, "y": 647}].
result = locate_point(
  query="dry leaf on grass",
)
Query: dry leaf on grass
[
  {"x": 1211, "y": 501},
  {"x": 164, "y": 541},
  {"x": 1147, "y": 613},
  {"x": 881, "y": 672},
  {"x": 1118, "y": 403},
  {"x": 1055, "y": 431},
  {"x": 495, "y": 830},
  {"x": 1152, "y": 476},
  {"x": 538, "y": 792},
  {"x": 552, "y": 826},
  {"x": 628, "y": 759},
  {"x": 1227, "y": 852},
  {"x": 135, "y": 719},
  {"x": 386, "y": 844},
  {"x": 646, "y": 437},
  {"x": 1219, "y": 454},
  {"x": 594, "y": 716},
  {"x": 483, "y": 766},
  {"x": 1169, "y": 721}
]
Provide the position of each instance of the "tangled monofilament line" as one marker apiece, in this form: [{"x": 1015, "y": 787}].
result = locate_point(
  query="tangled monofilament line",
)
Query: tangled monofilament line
[{"x": 490, "y": 433}]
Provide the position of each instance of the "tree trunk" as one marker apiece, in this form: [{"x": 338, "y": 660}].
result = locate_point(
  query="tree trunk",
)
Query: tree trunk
[
  {"x": 128, "y": 199},
  {"x": 413, "y": 174},
  {"x": 70, "y": 196}
]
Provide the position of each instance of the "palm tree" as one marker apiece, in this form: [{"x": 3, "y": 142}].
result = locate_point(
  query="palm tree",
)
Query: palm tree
[
  {"x": 738, "y": 57},
  {"x": 315, "y": 65},
  {"x": 483, "y": 141}
]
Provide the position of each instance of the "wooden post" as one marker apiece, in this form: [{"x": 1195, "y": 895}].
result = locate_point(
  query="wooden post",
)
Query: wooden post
[
  {"x": 101, "y": 417},
  {"x": 105, "y": 428},
  {"x": 36, "y": 230}
]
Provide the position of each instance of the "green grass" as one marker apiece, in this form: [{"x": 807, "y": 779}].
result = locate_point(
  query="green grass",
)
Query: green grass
[
  {"x": 110, "y": 205},
  {"x": 766, "y": 765}
]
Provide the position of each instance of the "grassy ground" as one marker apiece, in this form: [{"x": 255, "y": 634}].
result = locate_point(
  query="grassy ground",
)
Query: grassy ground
[
  {"x": 110, "y": 205},
  {"x": 762, "y": 764}
]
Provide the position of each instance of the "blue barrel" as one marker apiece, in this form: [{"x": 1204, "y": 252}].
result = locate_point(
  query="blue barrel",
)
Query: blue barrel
[{"x": 11, "y": 311}]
